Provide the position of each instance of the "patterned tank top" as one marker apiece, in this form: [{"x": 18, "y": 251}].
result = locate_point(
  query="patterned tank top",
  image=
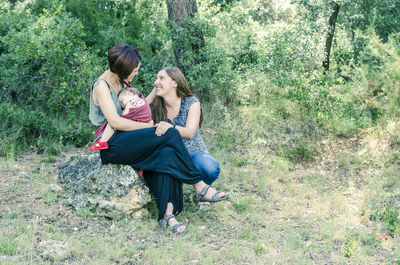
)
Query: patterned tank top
[{"x": 196, "y": 143}]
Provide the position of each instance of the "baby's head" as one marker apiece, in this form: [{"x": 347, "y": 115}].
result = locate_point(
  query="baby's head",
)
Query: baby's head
[{"x": 126, "y": 94}]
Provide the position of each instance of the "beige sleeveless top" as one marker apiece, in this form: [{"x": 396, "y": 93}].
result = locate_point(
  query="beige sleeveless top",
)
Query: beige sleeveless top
[{"x": 96, "y": 116}]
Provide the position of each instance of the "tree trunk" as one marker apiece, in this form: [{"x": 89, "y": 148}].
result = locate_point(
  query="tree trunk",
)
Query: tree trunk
[
  {"x": 329, "y": 38},
  {"x": 186, "y": 37}
]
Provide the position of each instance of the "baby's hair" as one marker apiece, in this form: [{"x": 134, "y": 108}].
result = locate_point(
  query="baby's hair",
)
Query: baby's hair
[{"x": 130, "y": 89}]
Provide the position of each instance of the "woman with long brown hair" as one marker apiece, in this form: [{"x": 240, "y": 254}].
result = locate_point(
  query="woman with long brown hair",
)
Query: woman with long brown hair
[{"x": 176, "y": 106}]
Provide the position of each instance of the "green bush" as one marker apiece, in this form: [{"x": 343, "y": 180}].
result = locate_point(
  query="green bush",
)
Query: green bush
[
  {"x": 390, "y": 217},
  {"x": 257, "y": 57},
  {"x": 290, "y": 54},
  {"x": 214, "y": 77},
  {"x": 45, "y": 75},
  {"x": 32, "y": 128},
  {"x": 21, "y": 127},
  {"x": 107, "y": 22},
  {"x": 376, "y": 86},
  {"x": 47, "y": 64}
]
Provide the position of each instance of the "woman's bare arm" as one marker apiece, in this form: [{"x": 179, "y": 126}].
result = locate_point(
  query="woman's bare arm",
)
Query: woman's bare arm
[
  {"x": 150, "y": 97},
  {"x": 192, "y": 122},
  {"x": 102, "y": 97}
]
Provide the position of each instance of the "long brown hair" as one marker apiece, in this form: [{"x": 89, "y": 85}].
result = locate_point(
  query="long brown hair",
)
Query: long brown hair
[{"x": 159, "y": 111}]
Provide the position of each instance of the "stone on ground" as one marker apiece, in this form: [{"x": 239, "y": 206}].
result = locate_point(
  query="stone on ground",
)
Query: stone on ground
[
  {"x": 53, "y": 250},
  {"x": 112, "y": 190}
]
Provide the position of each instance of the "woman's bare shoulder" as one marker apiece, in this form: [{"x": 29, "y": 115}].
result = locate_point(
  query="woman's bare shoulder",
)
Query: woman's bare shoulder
[
  {"x": 100, "y": 90},
  {"x": 100, "y": 84}
]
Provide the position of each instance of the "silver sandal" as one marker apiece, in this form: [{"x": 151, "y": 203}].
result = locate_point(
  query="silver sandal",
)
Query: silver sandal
[
  {"x": 164, "y": 223},
  {"x": 201, "y": 197}
]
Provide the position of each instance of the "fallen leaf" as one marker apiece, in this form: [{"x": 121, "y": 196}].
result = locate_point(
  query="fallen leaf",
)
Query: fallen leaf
[
  {"x": 383, "y": 237},
  {"x": 212, "y": 132},
  {"x": 365, "y": 132}
]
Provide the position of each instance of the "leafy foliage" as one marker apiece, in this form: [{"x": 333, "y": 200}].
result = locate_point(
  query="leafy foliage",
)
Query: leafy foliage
[
  {"x": 256, "y": 53},
  {"x": 120, "y": 24},
  {"x": 269, "y": 106},
  {"x": 45, "y": 64},
  {"x": 44, "y": 71}
]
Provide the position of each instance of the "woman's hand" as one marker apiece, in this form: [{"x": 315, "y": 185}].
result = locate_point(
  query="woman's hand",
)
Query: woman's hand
[{"x": 162, "y": 127}]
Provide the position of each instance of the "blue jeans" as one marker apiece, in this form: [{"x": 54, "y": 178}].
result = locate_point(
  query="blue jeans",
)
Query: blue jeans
[{"x": 207, "y": 165}]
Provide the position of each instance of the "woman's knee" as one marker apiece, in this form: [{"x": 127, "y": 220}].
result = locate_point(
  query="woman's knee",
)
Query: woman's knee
[
  {"x": 207, "y": 165},
  {"x": 211, "y": 166},
  {"x": 170, "y": 134},
  {"x": 210, "y": 172},
  {"x": 172, "y": 131}
]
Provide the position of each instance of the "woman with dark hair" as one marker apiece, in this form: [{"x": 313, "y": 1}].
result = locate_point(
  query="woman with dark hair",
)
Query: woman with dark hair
[
  {"x": 166, "y": 162},
  {"x": 176, "y": 106}
]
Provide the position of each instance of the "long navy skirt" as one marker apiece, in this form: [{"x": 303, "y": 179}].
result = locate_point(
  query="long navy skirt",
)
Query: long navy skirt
[{"x": 165, "y": 160}]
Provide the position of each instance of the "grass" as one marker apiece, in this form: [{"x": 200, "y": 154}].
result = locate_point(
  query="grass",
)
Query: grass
[
  {"x": 335, "y": 205},
  {"x": 8, "y": 246}
]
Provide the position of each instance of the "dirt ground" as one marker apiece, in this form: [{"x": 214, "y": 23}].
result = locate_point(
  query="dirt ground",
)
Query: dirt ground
[{"x": 310, "y": 214}]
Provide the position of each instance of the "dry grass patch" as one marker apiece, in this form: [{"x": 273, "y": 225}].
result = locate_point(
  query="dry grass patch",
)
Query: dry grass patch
[{"x": 280, "y": 212}]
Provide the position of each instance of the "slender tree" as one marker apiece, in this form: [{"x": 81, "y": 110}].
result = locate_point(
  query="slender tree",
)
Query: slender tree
[{"x": 331, "y": 32}]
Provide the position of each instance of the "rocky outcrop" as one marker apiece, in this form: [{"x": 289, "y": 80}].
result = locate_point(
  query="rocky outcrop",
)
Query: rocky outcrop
[{"x": 112, "y": 190}]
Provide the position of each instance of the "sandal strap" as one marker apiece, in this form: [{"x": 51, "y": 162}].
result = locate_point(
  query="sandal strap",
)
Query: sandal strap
[
  {"x": 164, "y": 221},
  {"x": 166, "y": 218},
  {"x": 203, "y": 192},
  {"x": 216, "y": 196},
  {"x": 175, "y": 228}
]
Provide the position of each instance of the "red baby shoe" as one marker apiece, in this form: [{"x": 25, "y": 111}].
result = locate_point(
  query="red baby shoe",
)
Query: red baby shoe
[
  {"x": 99, "y": 146},
  {"x": 140, "y": 172}
]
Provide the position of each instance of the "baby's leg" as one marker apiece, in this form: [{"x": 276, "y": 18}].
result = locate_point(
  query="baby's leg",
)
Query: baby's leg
[
  {"x": 102, "y": 143},
  {"x": 108, "y": 132}
]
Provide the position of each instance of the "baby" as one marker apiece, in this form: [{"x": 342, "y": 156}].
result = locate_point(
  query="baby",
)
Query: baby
[{"x": 135, "y": 107}]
